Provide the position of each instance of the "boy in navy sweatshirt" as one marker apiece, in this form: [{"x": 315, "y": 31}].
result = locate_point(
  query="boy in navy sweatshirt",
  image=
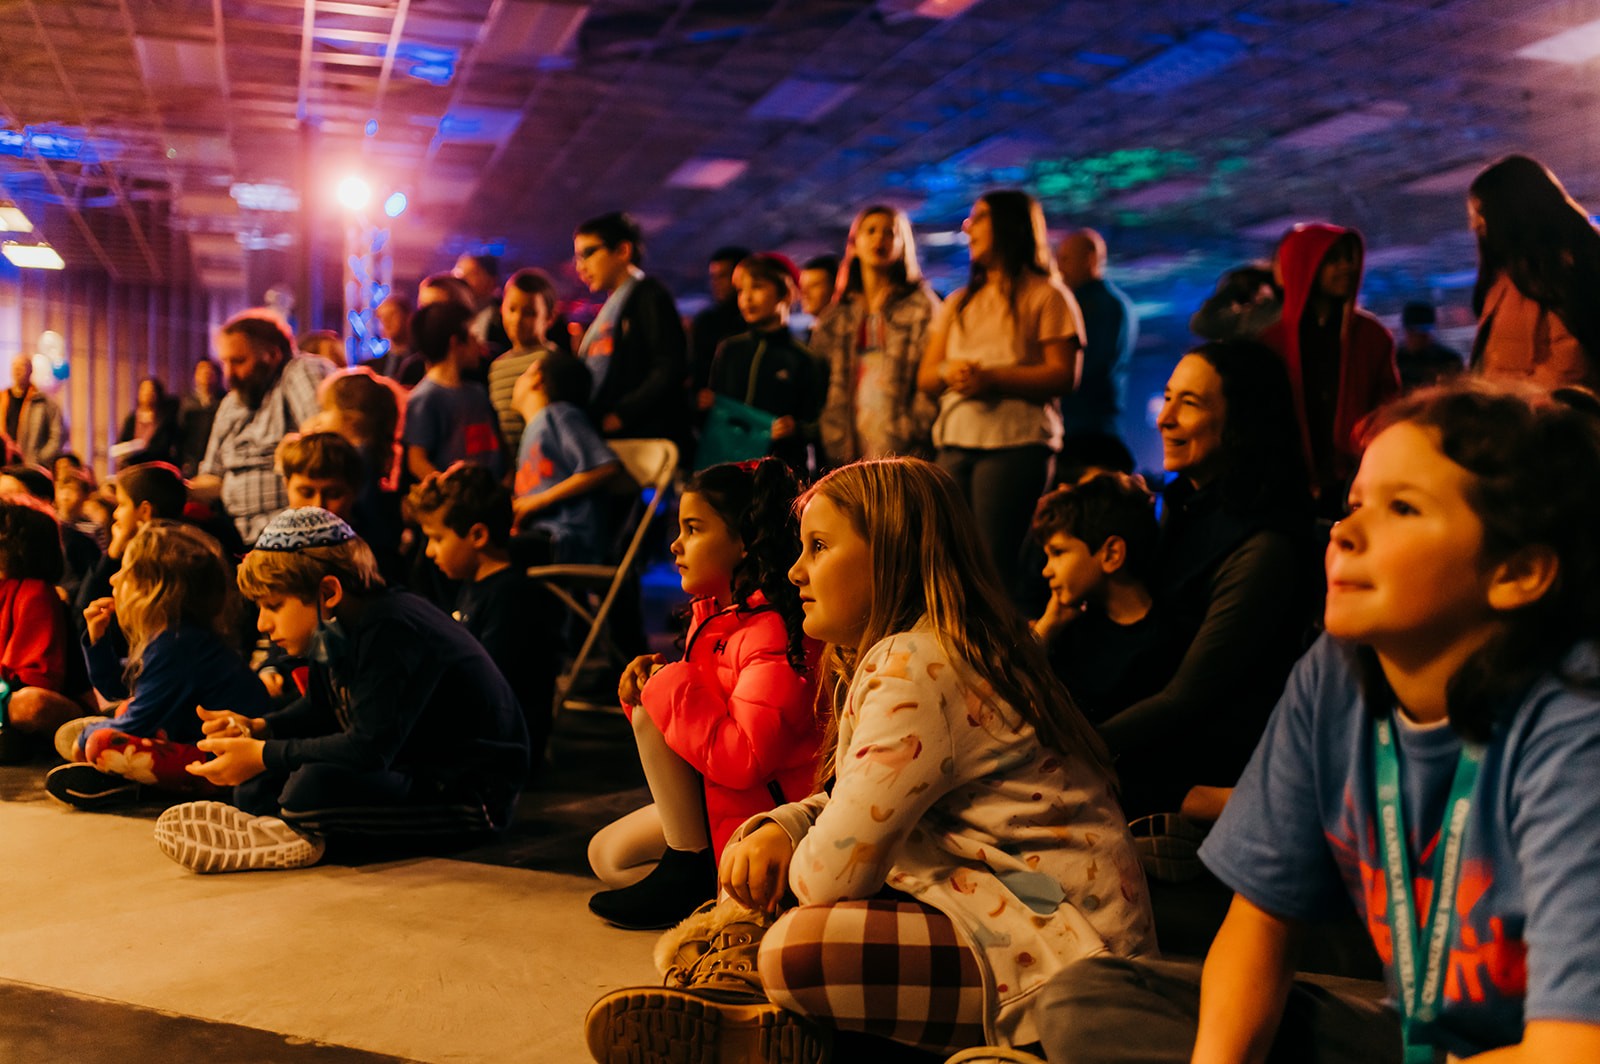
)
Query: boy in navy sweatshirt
[
  {"x": 465, "y": 513},
  {"x": 407, "y": 731}
]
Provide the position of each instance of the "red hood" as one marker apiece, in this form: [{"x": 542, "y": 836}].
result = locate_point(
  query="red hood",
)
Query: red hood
[{"x": 1299, "y": 258}]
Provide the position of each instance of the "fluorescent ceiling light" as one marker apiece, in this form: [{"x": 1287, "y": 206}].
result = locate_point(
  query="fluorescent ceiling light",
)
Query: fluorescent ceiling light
[
  {"x": 264, "y": 196},
  {"x": 708, "y": 173},
  {"x": 1341, "y": 129},
  {"x": 1577, "y": 45},
  {"x": 33, "y": 256},
  {"x": 802, "y": 99},
  {"x": 1454, "y": 181},
  {"x": 12, "y": 220}
]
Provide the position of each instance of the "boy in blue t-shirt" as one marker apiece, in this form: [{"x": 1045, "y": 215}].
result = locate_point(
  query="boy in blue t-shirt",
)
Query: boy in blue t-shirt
[
  {"x": 562, "y": 463},
  {"x": 449, "y": 419}
]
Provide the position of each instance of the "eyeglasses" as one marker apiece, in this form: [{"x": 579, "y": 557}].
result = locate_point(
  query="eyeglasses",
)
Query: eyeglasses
[{"x": 584, "y": 254}]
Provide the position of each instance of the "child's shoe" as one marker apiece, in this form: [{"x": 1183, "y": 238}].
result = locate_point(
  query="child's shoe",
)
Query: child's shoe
[
  {"x": 216, "y": 837},
  {"x": 679, "y": 883},
  {"x": 67, "y": 735},
  {"x": 86, "y": 787},
  {"x": 664, "y": 1025}
]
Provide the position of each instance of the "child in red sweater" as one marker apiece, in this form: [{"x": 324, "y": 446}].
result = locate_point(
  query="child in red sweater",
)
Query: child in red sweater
[{"x": 34, "y": 634}]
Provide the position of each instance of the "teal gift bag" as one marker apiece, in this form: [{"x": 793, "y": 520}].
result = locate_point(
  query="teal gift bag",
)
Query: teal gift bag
[{"x": 733, "y": 432}]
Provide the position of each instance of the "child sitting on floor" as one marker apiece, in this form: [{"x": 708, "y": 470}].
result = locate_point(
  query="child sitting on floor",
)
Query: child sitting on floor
[
  {"x": 1432, "y": 763},
  {"x": 408, "y": 731},
  {"x": 35, "y": 637},
  {"x": 966, "y": 843},
  {"x": 732, "y": 729},
  {"x": 1100, "y": 629},
  {"x": 172, "y": 599},
  {"x": 561, "y": 466},
  {"x": 465, "y": 513},
  {"x": 148, "y": 492}
]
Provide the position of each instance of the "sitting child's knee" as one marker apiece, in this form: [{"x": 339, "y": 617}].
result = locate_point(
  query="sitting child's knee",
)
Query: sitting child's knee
[{"x": 34, "y": 709}]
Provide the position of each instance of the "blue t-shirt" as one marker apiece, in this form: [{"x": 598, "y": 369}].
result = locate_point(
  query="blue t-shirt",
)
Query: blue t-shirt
[
  {"x": 1301, "y": 828},
  {"x": 454, "y": 424},
  {"x": 558, "y": 442}
]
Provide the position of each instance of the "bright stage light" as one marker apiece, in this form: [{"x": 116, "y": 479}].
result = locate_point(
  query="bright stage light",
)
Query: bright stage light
[
  {"x": 395, "y": 205},
  {"x": 33, "y": 256},
  {"x": 354, "y": 193}
]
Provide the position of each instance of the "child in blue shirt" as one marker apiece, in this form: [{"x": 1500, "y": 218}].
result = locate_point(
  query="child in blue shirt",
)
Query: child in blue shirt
[
  {"x": 1440, "y": 742},
  {"x": 562, "y": 463},
  {"x": 449, "y": 417},
  {"x": 172, "y": 599}
]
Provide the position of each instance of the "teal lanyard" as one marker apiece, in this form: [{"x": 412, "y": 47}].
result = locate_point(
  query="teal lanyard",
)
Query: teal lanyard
[{"x": 1419, "y": 1001}]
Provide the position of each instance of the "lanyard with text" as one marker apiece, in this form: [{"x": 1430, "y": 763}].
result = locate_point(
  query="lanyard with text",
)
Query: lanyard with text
[{"x": 1419, "y": 1001}]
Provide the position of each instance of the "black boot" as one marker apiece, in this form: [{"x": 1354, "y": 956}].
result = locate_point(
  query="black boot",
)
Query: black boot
[{"x": 679, "y": 883}]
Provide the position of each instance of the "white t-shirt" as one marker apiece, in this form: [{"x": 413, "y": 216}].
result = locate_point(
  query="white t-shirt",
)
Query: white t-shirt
[{"x": 989, "y": 333}]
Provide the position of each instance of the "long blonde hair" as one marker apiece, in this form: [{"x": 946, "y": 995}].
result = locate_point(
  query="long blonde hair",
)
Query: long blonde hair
[
  {"x": 927, "y": 561},
  {"x": 172, "y": 573}
]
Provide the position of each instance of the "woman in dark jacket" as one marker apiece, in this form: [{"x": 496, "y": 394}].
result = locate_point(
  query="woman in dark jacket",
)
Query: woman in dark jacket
[{"x": 153, "y": 425}]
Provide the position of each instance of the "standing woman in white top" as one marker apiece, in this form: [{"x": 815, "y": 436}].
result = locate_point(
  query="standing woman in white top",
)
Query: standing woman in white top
[{"x": 1000, "y": 353}]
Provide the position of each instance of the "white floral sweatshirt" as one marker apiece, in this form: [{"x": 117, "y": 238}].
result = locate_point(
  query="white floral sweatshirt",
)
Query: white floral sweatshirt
[{"x": 943, "y": 792}]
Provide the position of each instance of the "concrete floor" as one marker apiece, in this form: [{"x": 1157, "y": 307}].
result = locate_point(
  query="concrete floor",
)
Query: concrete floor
[{"x": 112, "y": 952}]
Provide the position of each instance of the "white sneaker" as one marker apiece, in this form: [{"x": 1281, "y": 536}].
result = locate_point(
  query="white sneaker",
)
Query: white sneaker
[
  {"x": 216, "y": 837},
  {"x": 67, "y": 734}
]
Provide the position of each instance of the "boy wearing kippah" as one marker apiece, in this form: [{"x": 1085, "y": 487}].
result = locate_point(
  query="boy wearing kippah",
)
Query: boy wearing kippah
[{"x": 407, "y": 731}]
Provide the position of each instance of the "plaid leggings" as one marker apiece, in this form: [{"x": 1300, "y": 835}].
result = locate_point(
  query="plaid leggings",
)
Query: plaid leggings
[{"x": 895, "y": 969}]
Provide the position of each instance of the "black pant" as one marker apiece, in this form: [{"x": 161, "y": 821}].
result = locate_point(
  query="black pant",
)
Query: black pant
[
  {"x": 1002, "y": 486},
  {"x": 331, "y": 799}
]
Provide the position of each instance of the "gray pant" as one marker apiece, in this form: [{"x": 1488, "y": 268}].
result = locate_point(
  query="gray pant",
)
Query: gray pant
[
  {"x": 1002, "y": 486},
  {"x": 1108, "y": 1010}
]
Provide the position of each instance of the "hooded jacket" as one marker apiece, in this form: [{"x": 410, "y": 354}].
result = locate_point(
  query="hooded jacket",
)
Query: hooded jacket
[
  {"x": 1367, "y": 372},
  {"x": 736, "y": 710}
]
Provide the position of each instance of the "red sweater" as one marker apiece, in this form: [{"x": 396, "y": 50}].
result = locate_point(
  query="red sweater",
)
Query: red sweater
[
  {"x": 34, "y": 635},
  {"x": 737, "y": 711}
]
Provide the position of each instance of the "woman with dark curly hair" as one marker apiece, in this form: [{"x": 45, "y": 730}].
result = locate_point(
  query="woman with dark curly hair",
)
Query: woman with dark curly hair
[
  {"x": 732, "y": 729},
  {"x": 1538, "y": 272}
]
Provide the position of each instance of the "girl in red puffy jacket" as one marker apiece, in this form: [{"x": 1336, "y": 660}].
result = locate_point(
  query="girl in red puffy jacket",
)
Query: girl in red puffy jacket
[{"x": 732, "y": 729}]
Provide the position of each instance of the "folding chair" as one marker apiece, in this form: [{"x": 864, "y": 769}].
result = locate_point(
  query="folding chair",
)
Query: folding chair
[{"x": 652, "y": 464}]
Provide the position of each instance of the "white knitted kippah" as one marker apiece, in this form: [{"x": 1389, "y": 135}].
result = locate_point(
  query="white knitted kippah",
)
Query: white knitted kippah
[{"x": 307, "y": 526}]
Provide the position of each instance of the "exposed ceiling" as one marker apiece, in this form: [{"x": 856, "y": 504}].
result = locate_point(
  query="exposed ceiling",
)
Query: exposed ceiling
[{"x": 146, "y": 136}]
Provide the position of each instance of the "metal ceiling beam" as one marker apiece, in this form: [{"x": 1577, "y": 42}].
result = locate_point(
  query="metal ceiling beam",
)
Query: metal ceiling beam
[
  {"x": 135, "y": 225},
  {"x": 61, "y": 194}
]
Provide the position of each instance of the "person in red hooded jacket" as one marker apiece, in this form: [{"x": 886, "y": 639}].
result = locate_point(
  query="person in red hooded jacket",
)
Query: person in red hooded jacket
[
  {"x": 732, "y": 730},
  {"x": 1340, "y": 358}
]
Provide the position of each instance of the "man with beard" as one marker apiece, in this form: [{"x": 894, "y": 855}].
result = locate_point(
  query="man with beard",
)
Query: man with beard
[{"x": 272, "y": 391}]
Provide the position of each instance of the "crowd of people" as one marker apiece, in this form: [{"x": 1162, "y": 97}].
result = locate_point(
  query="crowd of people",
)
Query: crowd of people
[{"x": 958, "y": 694}]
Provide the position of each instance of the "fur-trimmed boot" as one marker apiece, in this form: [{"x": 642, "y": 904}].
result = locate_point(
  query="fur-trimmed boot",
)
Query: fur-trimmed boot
[{"x": 712, "y": 1009}]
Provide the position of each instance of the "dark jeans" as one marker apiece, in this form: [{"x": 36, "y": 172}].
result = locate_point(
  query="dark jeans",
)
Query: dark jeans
[
  {"x": 335, "y": 800},
  {"x": 1109, "y": 1010},
  {"x": 1002, "y": 486}
]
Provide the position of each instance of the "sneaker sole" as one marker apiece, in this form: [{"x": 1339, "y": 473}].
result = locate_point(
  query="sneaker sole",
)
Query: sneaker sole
[
  {"x": 58, "y": 786},
  {"x": 651, "y": 1025},
  {"x": 210, "y": 837}
]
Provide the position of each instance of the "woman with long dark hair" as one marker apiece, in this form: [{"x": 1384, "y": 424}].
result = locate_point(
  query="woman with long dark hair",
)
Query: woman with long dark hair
[
  {"x": 1538, "y": 291},
  {"x": 1000, "y": 354}
]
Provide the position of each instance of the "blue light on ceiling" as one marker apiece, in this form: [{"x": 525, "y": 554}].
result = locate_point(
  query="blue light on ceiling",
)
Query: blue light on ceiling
[
  {"x": 51, "y": 144},
  {"x": 436, "y": 66},
  {"x": 372, "y": 127},
  {"x": 1201, "y": 56}
]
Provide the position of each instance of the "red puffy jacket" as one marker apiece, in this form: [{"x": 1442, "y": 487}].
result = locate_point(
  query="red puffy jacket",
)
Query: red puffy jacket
[{"x": 737, "y": 711}]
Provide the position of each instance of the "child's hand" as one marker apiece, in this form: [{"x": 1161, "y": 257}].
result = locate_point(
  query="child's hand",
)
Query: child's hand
[
  {"x": 705, "y": 400},
  {"x": 967, "y": 378},
  {"x": 755, "y": 870},
  {"x": 237, "y": 760},
  {"x": 611, "y": 423},
  {"x": 272, "y": 680},
  {"x": 636, "y": 675},
  {"x": 783, "y": 427},
  {"x": 97, "y": 617},
  {"x": 226, "y": 724},
  {"x": 1058, "y": 613}
]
